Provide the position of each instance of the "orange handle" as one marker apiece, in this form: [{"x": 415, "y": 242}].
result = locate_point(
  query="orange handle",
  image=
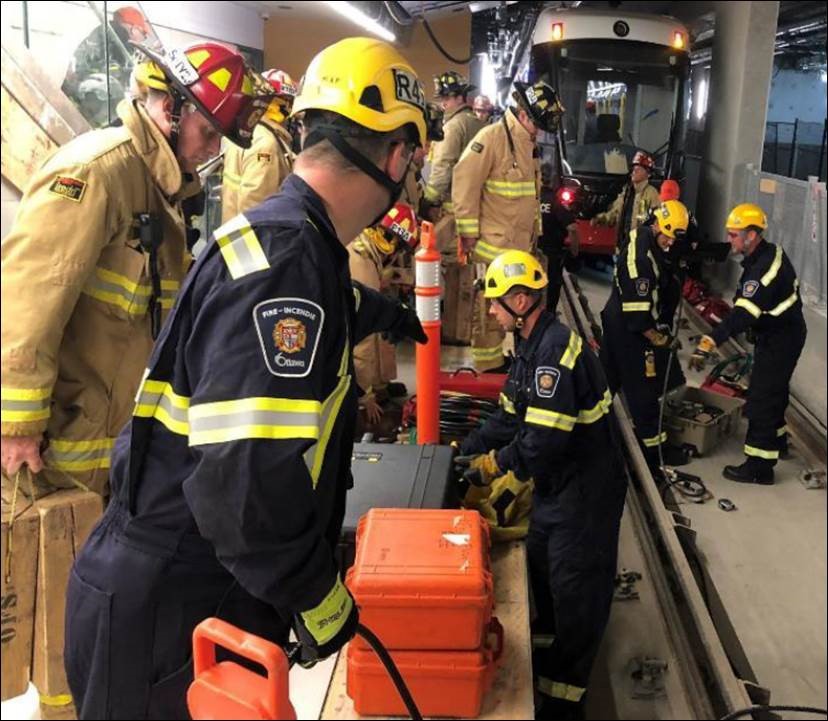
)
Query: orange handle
[{"x": 230, "y": 681}]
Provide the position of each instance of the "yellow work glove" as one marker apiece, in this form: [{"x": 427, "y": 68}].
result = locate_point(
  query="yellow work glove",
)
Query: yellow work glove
[
  {"x": 700, "y": 356},
  {"x": 507, "y": 490},
  {"x": 327, "y": 627},
  {"x": 478, "y": 470}
]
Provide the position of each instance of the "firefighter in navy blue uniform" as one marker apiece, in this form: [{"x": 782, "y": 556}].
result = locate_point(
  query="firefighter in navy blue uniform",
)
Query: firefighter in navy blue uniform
[
  {"x": 229, "y": 484},
  {"x": 553, "y": 427},
  {"x": 767, "y": 305},
  {"x": 637, "y": 322}
]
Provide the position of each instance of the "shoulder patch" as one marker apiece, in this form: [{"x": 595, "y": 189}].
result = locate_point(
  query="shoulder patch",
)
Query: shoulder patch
[
  {"x": 68, "y": 187},
  {"x": 477, "y": 147},
  {"x": 546, "y": 381},
  {"x": 264, "y": 157},
  {"x": 289, "y": 331},
  {"x": 749, "y": 288},
  {"x": 642, "y": 286}
]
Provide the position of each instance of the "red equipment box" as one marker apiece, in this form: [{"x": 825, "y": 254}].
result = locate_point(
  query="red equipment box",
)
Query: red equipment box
[
  {"x": 470, "y": 382},
  {"x": 422, "y": 578},
  {"x": 596, "y": 239}
]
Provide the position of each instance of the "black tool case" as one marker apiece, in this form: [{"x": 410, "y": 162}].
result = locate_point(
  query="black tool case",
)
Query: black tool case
[{"x": 395, "y": 476}]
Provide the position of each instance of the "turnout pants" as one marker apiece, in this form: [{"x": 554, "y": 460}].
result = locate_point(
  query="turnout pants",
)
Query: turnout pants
[
  {"x": 572, "y": 549},
  {"x": 775, "y": 358},
  {"x": 487, "y": 335},
  {"x": 624, "y": 356}
]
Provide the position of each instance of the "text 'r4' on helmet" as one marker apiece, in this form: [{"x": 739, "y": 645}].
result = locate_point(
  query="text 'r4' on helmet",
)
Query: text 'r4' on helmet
[{"x": 367, "y": 81}]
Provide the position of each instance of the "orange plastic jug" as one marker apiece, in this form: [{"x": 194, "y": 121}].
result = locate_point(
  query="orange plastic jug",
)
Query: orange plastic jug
[{"x": 227, "y": 690}]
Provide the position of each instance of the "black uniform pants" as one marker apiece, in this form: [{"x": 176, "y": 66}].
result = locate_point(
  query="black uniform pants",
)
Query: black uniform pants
[
  {"x": 624, "y": 357},
  {"x": 135, "y": 595},
  {"x": 775, "y": 358},
  {"x": 572, "y": 549}
]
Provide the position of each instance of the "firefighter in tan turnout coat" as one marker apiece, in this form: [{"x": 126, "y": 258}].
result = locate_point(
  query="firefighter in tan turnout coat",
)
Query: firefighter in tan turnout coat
[
  {"x": 495, "y": 194},
  {"x": 94, "y": 261}
]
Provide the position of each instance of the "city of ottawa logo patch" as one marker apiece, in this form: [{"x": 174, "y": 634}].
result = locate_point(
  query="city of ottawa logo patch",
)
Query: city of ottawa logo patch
[
  {"x": 290, "y": 335},
  {"x": 289, "y": 330}
]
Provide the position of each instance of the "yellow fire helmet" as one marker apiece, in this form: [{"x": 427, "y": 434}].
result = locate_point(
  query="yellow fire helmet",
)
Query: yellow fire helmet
[
  {"x": 514, "y": 268},
  {"x": 747, "y": 215},
  {"x": 367, "y": 81},
  {"x": 673, "y": 218}
]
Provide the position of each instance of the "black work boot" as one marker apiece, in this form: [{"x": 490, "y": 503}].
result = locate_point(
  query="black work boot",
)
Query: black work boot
[{"x": 753, "y": 470}]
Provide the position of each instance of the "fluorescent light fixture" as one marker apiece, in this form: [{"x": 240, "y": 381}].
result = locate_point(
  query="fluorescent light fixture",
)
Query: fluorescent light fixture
[
  {"x": 701, "y": 108},
  {"x": 360, "y": 18},
  {"x": 488, "y": 81}
]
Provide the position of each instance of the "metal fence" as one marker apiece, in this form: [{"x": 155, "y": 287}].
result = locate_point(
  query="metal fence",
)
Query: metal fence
[
  {"x": 795, "y": 150},
  {"x": 797, "y": 221}
]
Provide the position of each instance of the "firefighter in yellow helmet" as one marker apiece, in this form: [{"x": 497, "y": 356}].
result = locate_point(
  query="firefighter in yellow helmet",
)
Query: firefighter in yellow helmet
[
  {"x": 496, "y": 198},
  {"x": 252, "y": 174},
  {"x": 370, "y": 257},
  {"x": 637, "y": 321},
  {"x": 552, "y": 430},
  {"x": 92, "y": 265},
  {"x": 768, "y": 307},
  {"x": 233, "y": 472}
]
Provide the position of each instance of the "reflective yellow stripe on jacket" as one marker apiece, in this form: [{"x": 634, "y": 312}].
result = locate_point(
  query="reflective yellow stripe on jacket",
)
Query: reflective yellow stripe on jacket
[
  {"x": 240, "y": 248},
  {"x": 223, "y": 421},
  {"x": 511, "y": 189},
  {"x": 24, "y": 405},
  {"x": 576, "y": 344},
  {"x": 565, "y": 422},
  {"x": 118, "y": 290},
  {"x": 506, "y": 404},
  {"x": 77, "y": 456},
  {"x": 315, "y": 455}
]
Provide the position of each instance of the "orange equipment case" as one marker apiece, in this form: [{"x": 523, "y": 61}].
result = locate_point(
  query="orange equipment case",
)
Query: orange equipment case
[
  {"x": 442, "y": 683},
  {"x": 422, "y": 578}
]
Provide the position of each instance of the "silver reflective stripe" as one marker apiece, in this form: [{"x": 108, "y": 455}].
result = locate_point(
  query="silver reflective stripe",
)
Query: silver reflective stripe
[
  {"x": 240, "y": 248},
  {"x": 252, "y": 417}
]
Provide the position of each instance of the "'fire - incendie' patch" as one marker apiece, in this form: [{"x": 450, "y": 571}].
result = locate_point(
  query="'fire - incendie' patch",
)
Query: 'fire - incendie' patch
[
  {"x": 264, "y": 157},
  {"x": 477, "y": 147},
  {"x": 546, "y": 381},
  {"x": 289, "y": 331},
  {"x": 67, "y": 187},
  {"x": 749, "y": 288}
]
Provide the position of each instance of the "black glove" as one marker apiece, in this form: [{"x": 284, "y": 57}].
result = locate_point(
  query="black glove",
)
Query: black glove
[
  {"x": 479, "y": 469},
  {"x": 326, "y": 628},
  {"x": 407, "y": 325}
]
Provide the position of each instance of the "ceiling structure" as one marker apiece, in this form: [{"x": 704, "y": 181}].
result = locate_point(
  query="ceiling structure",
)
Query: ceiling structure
[{"x": 500, "y": 28}]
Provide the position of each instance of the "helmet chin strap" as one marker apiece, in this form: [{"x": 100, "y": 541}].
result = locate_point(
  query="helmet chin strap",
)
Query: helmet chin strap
[
  {"x": 520, "y": 319},
  {"x": 364, "y": 164},
  {"x": 175, "y": 121}
]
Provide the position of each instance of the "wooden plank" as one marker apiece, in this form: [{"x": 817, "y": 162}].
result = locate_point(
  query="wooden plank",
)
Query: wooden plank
[
  {"x": 24, "y": 144},
  {"x": 511, "y": 695},
  {"x": 25, "y": 79}
]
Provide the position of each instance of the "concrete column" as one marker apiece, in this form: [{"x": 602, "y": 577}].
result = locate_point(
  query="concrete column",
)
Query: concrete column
[{"x": 737, "y": 105}]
